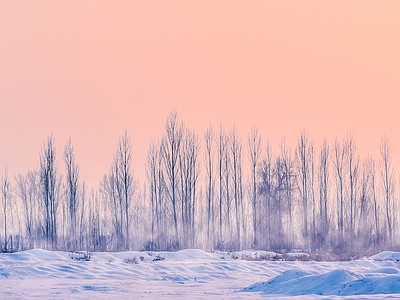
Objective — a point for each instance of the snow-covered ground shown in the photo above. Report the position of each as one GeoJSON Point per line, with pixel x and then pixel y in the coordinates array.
{"type": "Point", "coordinates": [194, 274]}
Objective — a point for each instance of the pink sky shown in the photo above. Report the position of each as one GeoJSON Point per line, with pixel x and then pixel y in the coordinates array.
{"type": "Point", "coordinates": [91, 69]}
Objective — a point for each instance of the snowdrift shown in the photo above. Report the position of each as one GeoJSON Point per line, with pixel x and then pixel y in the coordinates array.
{"type": "Point", "coordinates": [386, 255]}
{"type": "Point", "coordinates": [369, 280]}
{"type": "Point", "coordinates": [337, 282]}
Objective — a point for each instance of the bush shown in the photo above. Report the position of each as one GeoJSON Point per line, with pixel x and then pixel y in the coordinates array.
{"type": "Point", "coordinates": [132, 260]}
{"type": "Point", "coordinates": [158, 258]}
{"type": "Point", "coordinates": [81, 255]}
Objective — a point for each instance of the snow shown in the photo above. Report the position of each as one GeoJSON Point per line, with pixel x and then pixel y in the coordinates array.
{"type": "Point", "coordinates": [194, 274]}
{"type": "Point", "coordinates": [386, 255]}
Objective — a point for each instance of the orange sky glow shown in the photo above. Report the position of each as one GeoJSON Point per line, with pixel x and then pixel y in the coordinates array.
{"type": "Point", "coordinates": [91, 69]}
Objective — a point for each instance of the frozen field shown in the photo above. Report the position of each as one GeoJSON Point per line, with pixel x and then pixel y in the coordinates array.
{"type": "Point", "coordinates": [193, 274]}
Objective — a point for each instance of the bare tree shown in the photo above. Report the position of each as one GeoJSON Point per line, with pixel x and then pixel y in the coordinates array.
{"type": "Point", "coordinates": [6, 202]}
{"type": "Point", "coordinates": [153, 181]}
{"type": "Point", "coordinates": [160, 202]}
{"type": "Point", "coordinates": [27, 190]}
{"type": "Point", "coordinates": [170, 149]}
{"type": "Point", "coordinates": [266, 189]}
{"type": "Point", "coordinates": [83, 211]}
{"type": "Point", "coordinates": [119, 188]}
{"type": "Point", "coordinates": [125, 182]}
{"type": "Point", "coordinates": [226, 163]}
{"type": "Point", "coordinates": [287, 166]}
{"type": "Point", "coordinates": [210, 184]}
{"type": "Point", "coordinates": [388, 183]}
{"type": "Point", "coordinates": [222, 156]}
{"type": "Point", "coordinates": [255, 146]}
{"type": "Point", "coordinates": [365, 227]}
{"type": "Point", "coordinates": [339, 161]}
{"type": "Point", "coordinates": [50, 185]}
{"type": "Point", "coordinates": [278, 204]}
{"type": "Point", "coordinates": [276, 177]}
{"type": "Point", "coordinates": [323, 193]}
{"type": "Point", "coordinates": [188, 171]}
{"type": "Point", "coordinates": [375, 202]}
{"type": "Point", "coordinates": [72, 183]}
{"type": "Point", "coordinates": [236, 153]}
{"type": "Point", "coordinates": [95, 232]}
{"type": "Point", "coordinates": [304, 157]}
{"type": "Point", "coordinates": [109, 189]}
{"type": "Point", "coordinates": [353, 165]}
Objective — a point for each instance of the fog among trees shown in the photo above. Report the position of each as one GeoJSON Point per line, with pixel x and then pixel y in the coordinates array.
{"type": "Point", "coordinates": [214, 190]}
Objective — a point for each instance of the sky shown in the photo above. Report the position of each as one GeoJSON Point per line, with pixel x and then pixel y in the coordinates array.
{"type": "Point", "coordinates": [89, 70]}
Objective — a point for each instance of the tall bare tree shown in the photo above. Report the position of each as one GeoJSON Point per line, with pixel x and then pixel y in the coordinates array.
{"type": "Point", "coordinates": [94, 230]}
{"type": "Point", "coordinates": [237, 170]}
{"type": "Point", "coordinates": [226, 163]}
{"type": "Point", "coordinates": [255, 147]}
{"type": "Point", "coordinates": [375, 202]}
{"type": "Point", "coordinates": [210, 184]}
{"type": "Point", "coordinates": [50, 188]}
{"type": "Point", "coordinates": [188, 171]}
{"type": "Point", "coordinates": [27, 190]}
{"type": "Point", "coordinates": [364, 225]}
{"type": "Point", "coordinates": [222, 156]}
{"type": "Point", "coordinates": [287, 179]}
{"type": "Point", "coordinates": [339, 161]}
{"type": "Point", "coordinates": [353, 166]}
{"type": "Point", "coordinates": [323, 193]}
{"type": "Point", "coordinates": [125, 181]}
{"type": "Point", "coordinates": [6, 202]}
{"type": "Point", "coordinates": [171, 145]}
{"type": "Point", "coordinates": [154, 182]}
{"type": "Point", "coordinates": [266, 189]}
{"type": "Point", "coordinates": [83, 211]}
{"type": "Point", "coordinates": [304, 157]}
{"type": "Point", "coordinates": [119, 188]}
{"type": "Point", "coordinates": [388, 183]}
{"type": "Point", "coordinates": [72, 183]}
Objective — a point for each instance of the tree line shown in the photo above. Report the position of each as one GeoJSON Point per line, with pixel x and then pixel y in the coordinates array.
{"type": "Point", "coordinates": [214, 191]}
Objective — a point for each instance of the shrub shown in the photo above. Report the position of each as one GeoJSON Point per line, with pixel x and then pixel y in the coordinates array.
{"type": "Point", "coordinates": [158, 258]}
{"type": "Point", "coordinates": [81, 255]}
{"type": "Point", "coordinates": [131, 260]}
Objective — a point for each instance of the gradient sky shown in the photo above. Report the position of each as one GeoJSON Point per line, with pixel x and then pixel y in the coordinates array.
{"type": "Point", "coordinates": [91, 69]}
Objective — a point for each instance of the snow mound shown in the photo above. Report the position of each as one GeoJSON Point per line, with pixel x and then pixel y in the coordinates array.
{"type": "Point", "coordinates": [338, 282]}
{"type": "Point", "coordinates": [371, 286]}
{"type": "Point", "coordinates": [288, 275]}
{"type": "Point", "coordinates": [34, 255]}
{"type": "Point", "coordinates": [386, 255]}
{"type": "Point", "coordinates": [298, 282]}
